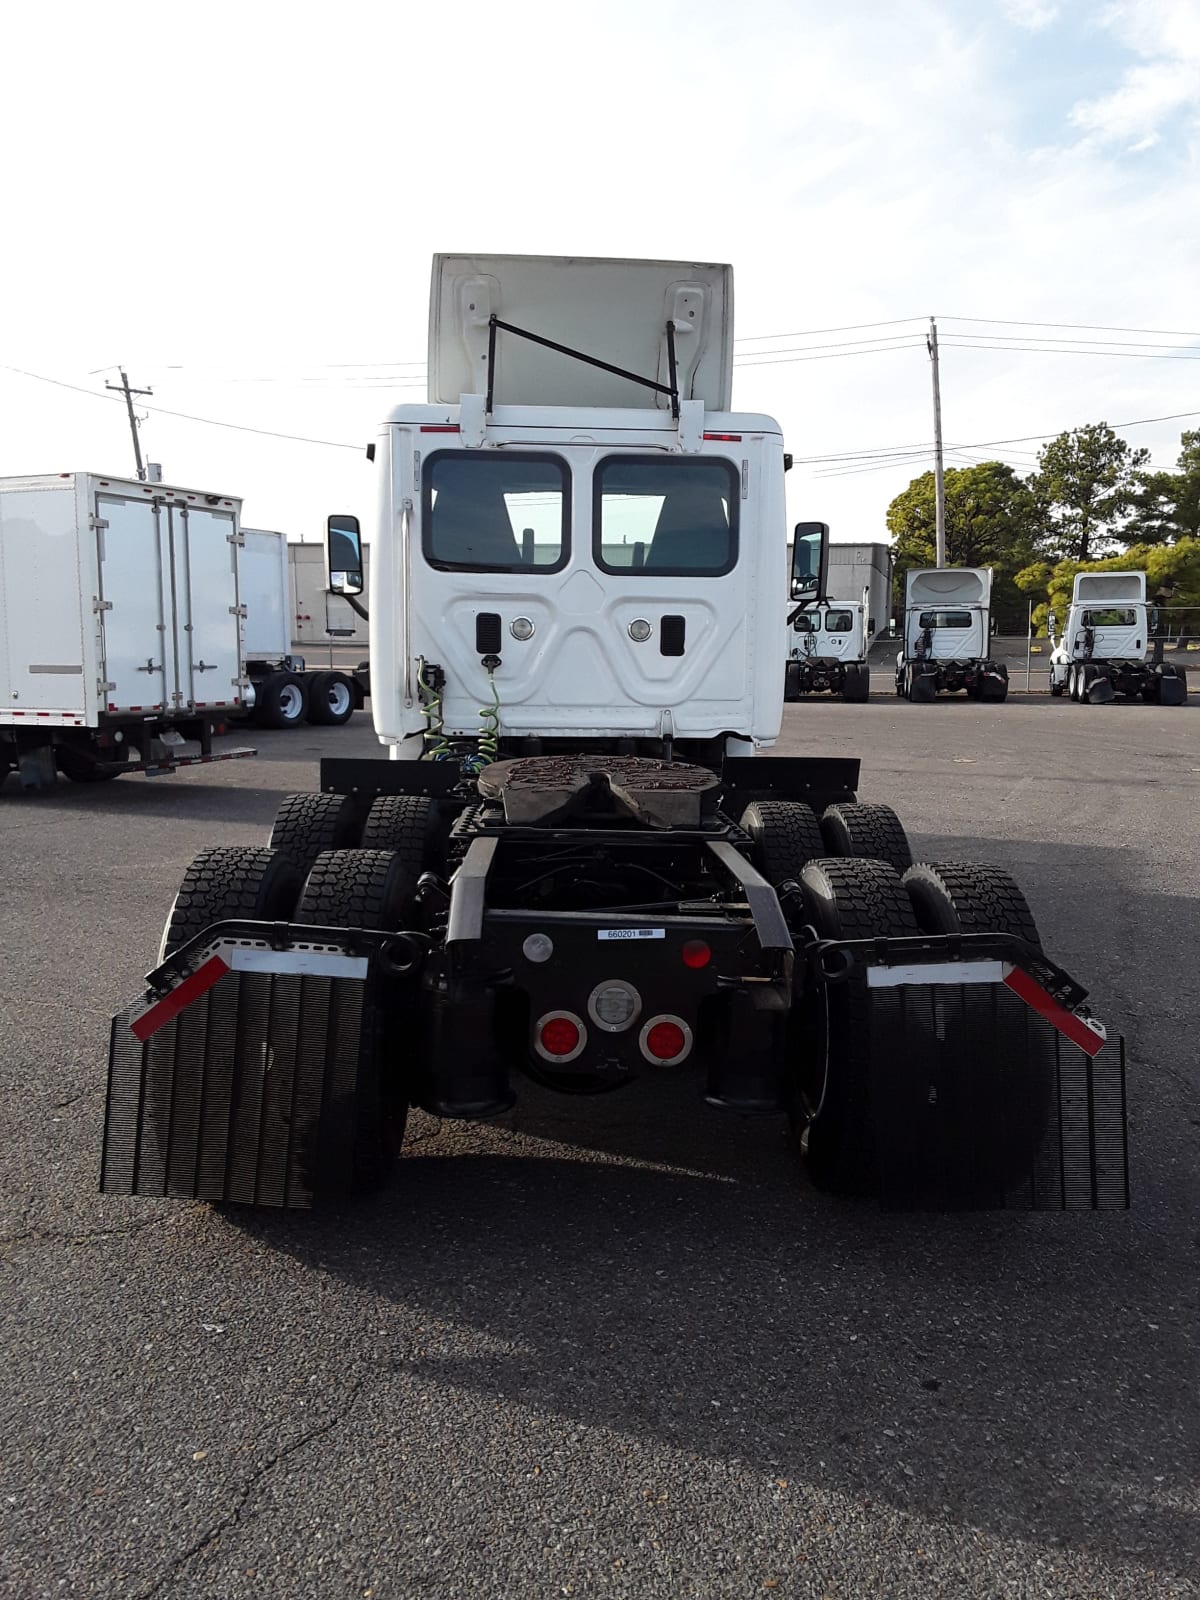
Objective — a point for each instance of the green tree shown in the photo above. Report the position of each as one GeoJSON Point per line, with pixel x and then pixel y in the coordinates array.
{"type": "Point", "coordinates": [991, 521]}
{"type": "Point", "coordinates": [1168, 503]}
{"type": "Point", "coordinates": [1089, 481]}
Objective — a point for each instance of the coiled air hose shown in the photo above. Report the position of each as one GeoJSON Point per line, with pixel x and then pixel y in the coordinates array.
{"type": "Point", "coordinates": [488, 747]}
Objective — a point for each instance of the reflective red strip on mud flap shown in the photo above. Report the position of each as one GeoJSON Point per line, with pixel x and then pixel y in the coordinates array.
{"type": "Point", "coordinates": [161, 1012]}
{"type": "Point", "coordinates": [1074, 1028]}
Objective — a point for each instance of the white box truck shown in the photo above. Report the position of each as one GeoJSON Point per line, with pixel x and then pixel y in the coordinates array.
{"type": "Point", "coordinates": [120, 626]}
{"type": "Point", "coordinates": [285, 691]}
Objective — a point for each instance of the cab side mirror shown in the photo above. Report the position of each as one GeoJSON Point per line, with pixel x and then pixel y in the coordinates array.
{"type": "Point", "coordinates": [343, 555]}
{"type": "Point", "coordinates": [810, 560]}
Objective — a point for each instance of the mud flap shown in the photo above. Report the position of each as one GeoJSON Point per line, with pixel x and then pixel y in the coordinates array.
{"type": "Point", "coordinates": [240, 1084]}
{"type": "Point", "coordinates": [981, 1103]}
{"type": "Point", "coordinates": [1100, 692]}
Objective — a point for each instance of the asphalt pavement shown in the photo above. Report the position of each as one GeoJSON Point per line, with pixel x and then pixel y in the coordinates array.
{"type": "Point", "coordinates": [612, 1347]}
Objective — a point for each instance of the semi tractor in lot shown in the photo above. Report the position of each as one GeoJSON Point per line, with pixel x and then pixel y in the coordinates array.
{"type": "Point", "coordinates": [947, 634]}
{"type": "Point", "coordinates": [1106, 648]}
{"type": "Point", "coordinates": [580, 861]}
{"type": "Point", "coordinates": [827, 643]}
{"type": "Point", "coordinates": [138, 621]}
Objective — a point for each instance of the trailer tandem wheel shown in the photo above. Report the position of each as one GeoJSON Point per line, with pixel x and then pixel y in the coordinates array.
{"type": "Point", "coordinates": [281, 700]}
{"type": "Point", "coordinates": [227, 882]}
{"type": "Point", "coordinates": [307, 824]}
{"type": "Point", "coordinates": [330, 699]}
{"type": "Point", "coordinates": [831, 1102]}
{"type": "Point", "coordinates": [366, 889]}
{"type": "Point", "coordinates": [869, 832]}
{"type": "Point", "coordinates": [786, 836]}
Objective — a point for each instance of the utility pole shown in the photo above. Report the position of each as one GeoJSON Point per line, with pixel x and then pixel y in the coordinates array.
{"type": "Point", "coordinates": [939, 479]}
{"type": "Point", "coordinates": [123, 388]}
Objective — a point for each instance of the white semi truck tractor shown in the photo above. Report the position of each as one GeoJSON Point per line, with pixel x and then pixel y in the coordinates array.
{"type": "Point", "coordinates": [947, 635]}
{"type": "Point", "coordinates": [1106, 645]}
{"type": "Point", "coordinates": [826, 641]}
{"type": "Point", "coordinates": [583, 860]}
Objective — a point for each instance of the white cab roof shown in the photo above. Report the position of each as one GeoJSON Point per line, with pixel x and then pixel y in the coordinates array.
{"type": "Point", "coordinates": [616, 310]}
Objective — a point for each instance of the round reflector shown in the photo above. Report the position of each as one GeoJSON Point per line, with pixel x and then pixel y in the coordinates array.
{"type": "Point", "coordinates": [696, 953]}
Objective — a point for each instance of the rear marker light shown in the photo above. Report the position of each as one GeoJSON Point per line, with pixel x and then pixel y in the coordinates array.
{"type": "Point", "coordinates": [640, 630]}
{"type": "Point", "coordinates": [665, 1040]}
{"type": "Point", "coordinates": [696, 954]}
{"type": "Point", "coordinates": [559, 1036]}
{"type": "Point", "coordinates": [725, 438]}
{"type": "Point", "coordinates": [440, 427]}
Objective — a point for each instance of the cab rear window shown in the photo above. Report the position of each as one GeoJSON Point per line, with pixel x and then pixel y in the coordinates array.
{"type": "Point", "coordinates": [486, 511]}
{"type": "Point", "coordinates": [676, 516]}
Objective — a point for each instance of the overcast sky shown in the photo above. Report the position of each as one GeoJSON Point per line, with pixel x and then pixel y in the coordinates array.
{"type": "Point", "coordinates": [240, 203]}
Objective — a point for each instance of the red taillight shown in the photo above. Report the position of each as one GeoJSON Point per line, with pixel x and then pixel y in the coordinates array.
{"type": "Point", "coordinates": [439, 427]}
{"type": "Point", "coordinates": [559, 1036]}
{"type": "Point", "coordinates": [696, 953]}
{"type": "Point", "coordinates": [665, 1041]}
{"type": "Point", "coordinates": [725, 438]}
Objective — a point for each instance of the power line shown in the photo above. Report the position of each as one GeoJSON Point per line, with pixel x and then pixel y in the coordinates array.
{"type": "Point", "coordinates": [913, 344]}
{"type": "Point", "coordinates": [846, 327]}
{"type": "Point", "coordinates": [840, 344]}
{"type": "Point", "coordinates": [1087, 327]}
{"type": "Point", "coordinates": [187, 416]}
{"type": "Point", "coordinates": [1035, 350]}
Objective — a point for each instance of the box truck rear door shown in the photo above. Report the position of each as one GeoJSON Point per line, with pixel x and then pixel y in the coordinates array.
{"type": "Point", "coordinates": [210, 628]}
{"type": "Point", "coordinates": [135, 585]}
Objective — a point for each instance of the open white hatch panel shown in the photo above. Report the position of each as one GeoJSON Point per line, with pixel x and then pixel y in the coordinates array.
{"type": "Point", "coordinates": [950, 586]}
{"type": "Point", "coordinates": [615, 310]}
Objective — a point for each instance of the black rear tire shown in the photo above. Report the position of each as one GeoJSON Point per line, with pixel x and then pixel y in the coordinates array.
{"type": "Point", "coordinates": [856, 683]}
{"type": "Point", "coordinates": [406, 824]}
{"type": "Point", "coordinates": [786, 836]}
{"type": "Point", "coordinates": [868, 832]}
{"type": "Point", "coordinates": [307, 824]}
{"type": "Point", "coordinates": [330, 699]}
{"type": "Point", "coordinates": [82, 768]}
{"type": "Point", "coordinates": [281, 701]}
{"type": "Point", "coordinates": [831, 1104]}
{"type": "Point", "coordinates": [231, 881]}
{"type": "Point", "coordinates": [964, 897]}
{"type": "Point", "coordinates": [367, 889]}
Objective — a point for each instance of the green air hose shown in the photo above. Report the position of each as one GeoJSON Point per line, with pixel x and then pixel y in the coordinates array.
{"type": "Point", "coordinates": [438, 749]}
{"type": "Point", "coordinates": [488, 747]}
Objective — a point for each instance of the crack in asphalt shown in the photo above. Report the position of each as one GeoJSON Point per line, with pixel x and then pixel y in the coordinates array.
{"type": "Point", "coordinates": [90, 1235]}
{"type": "Point", "coordinates": [245, 1490]}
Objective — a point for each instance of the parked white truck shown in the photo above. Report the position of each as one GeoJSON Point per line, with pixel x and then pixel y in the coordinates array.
{"type": "Point", "coordinates": [1105, 647]}
{"type": "Point", "coordinates": [580, 863]}
{"type": "Point", "coordinates": [947, 634]}
{"type": "Point", "coordinates": [286, 691]}
{"type": "Point", "coordinates": [120, 626]}
{"type": "Point", "coordinates": [827, 640]}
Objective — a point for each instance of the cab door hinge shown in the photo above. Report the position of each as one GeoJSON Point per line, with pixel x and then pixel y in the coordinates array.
{"type": "Point", "coordinates": [101, 605]}
{"type": "Point", "coordinates": [237, 611]}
